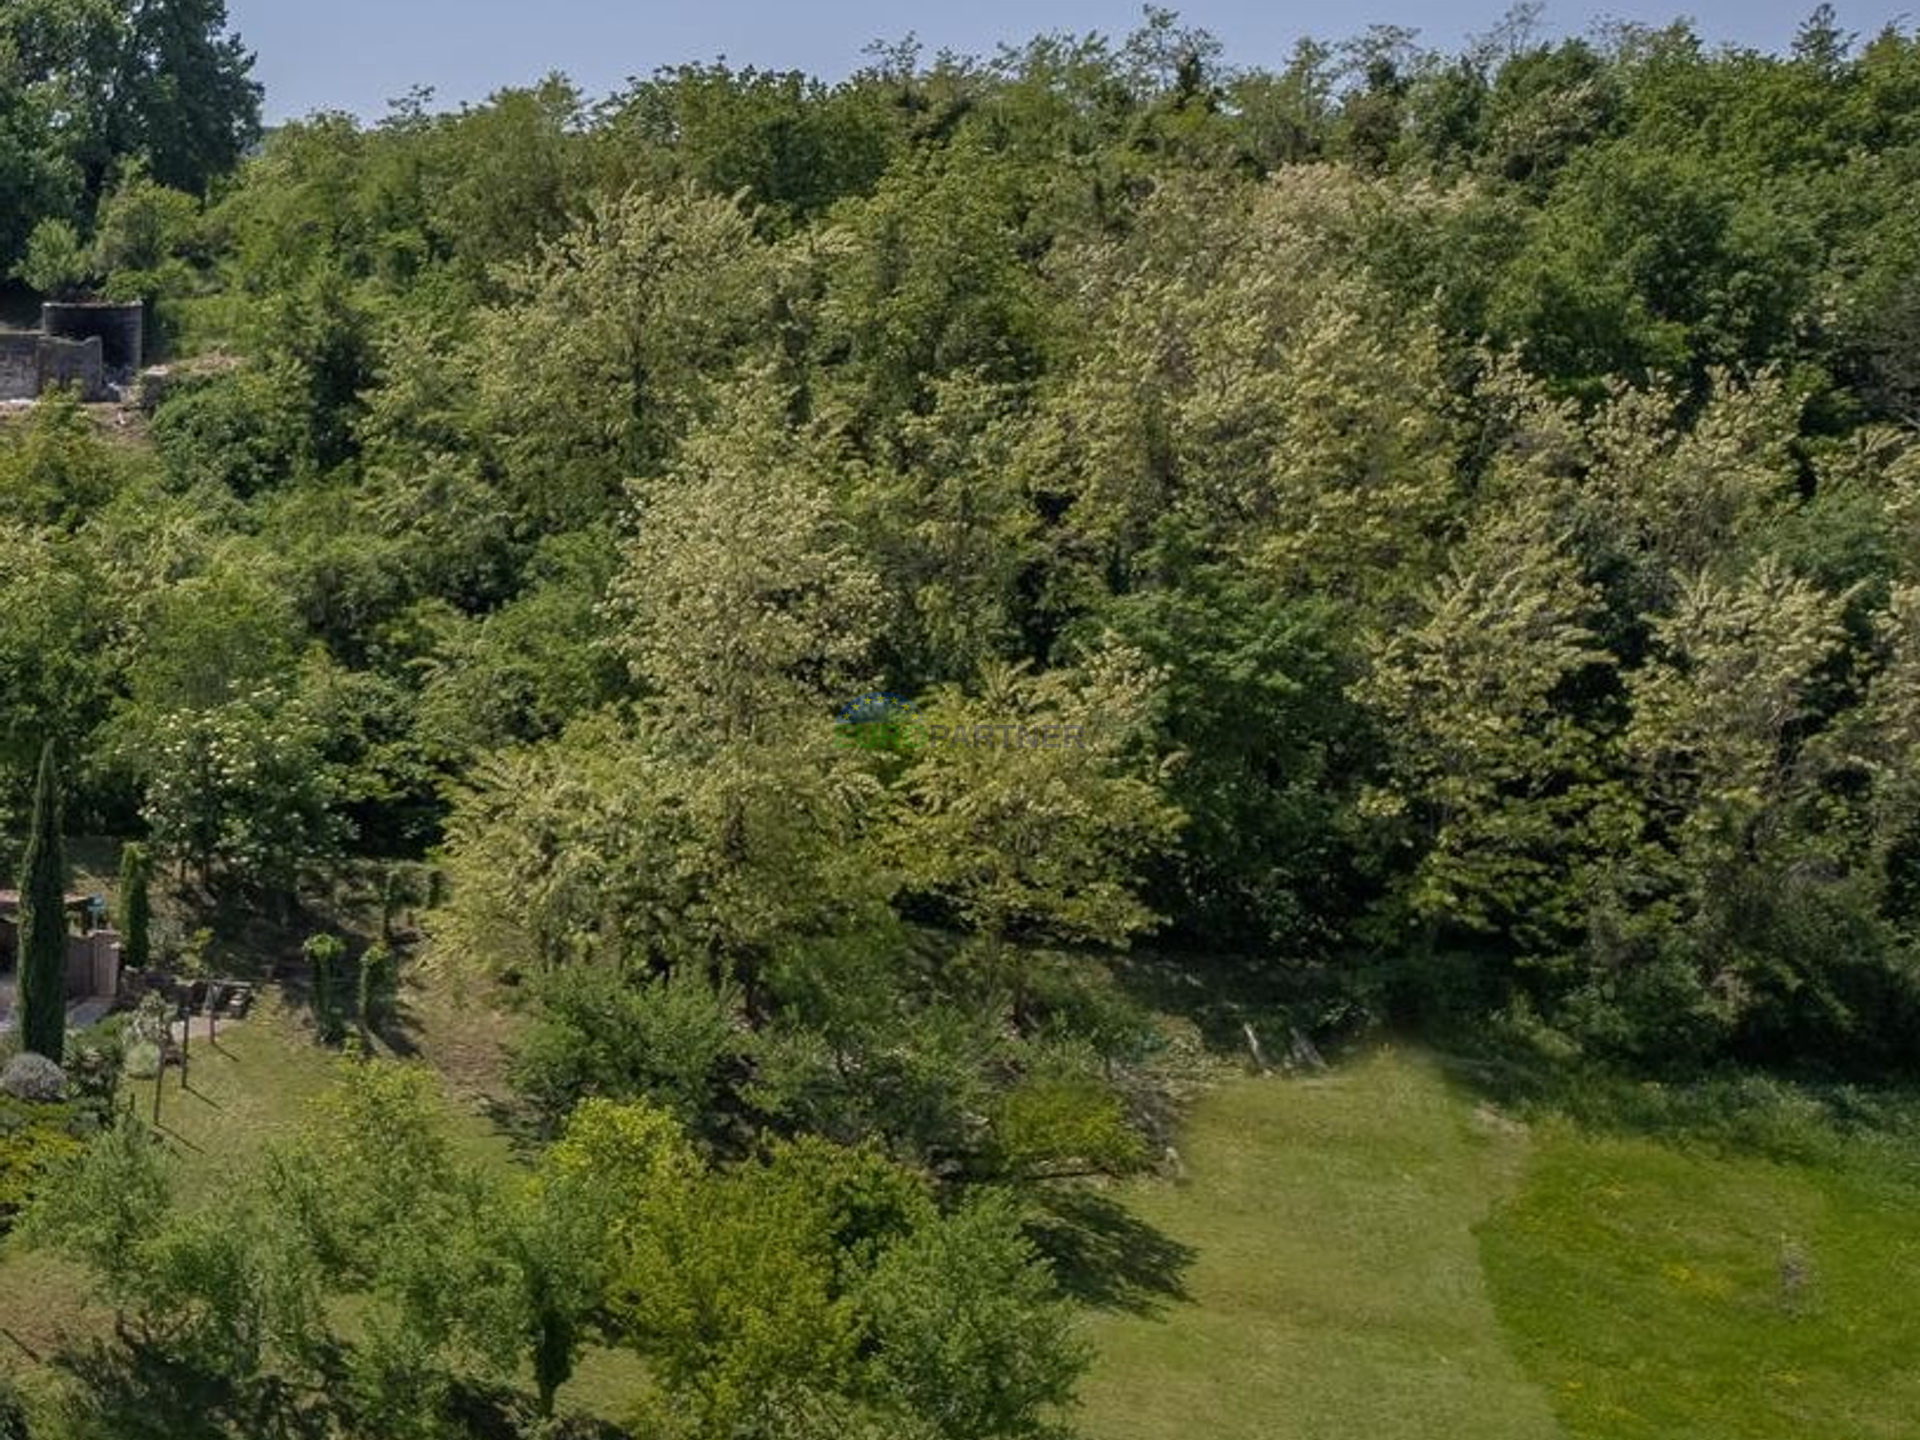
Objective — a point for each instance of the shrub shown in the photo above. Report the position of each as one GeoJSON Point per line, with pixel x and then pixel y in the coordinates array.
{"type": "Point", "coordinates": [56, 265]}
{"type": "Point", "coordinates": [95, 1072]}
{"type": "Point", "coordinates": [136, 908]}
{"type": "Point", "coordinates": [34, 1078]}
{"type": "Point", "coordinates": [963, 1325]}
{"type": "Point", "coordinates": [378, 982]}
{"type": "Point", "coordinates": [34, 1140]}
{"type": "Point", "coordinates": [243, 430]}
{"type": "Point", "coordinates": [324, 954]}
{"type": "Point", "coordinates": [1051, 1125]}
{"type": "Point", "coordinates": [599, 1033]}
{"type": "Point", "coordinates": [13, 1413]}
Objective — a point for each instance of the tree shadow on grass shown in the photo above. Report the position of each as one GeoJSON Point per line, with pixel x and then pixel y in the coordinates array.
{"type": "Point", "coordinates": [189, 1088]}
{"type": "Point", "coordinates": [19, 1344]}
{"type": "Point", "coordinates": [1106, 1257]}
{"type": "Point", "coordinates": [135, 1391]}
{"type": "Point", "coordinates": [177, 1138]}
{"type": "Point", "coordinates": [1224, 997]}
{"type": "Point", "coordinates": [522, 1130]}
{"type": "Point", "coordinates": [398, 1028]}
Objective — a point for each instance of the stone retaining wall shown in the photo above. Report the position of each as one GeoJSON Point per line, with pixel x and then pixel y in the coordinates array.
{"type": "Point", "coordinates": [31, 364]}
{"type": "Point", "coordinates": [120, 329]}
{"type": "Point", "coordinates": [74, 362]}
{"type": "Point", "coordinates": [19, 365]}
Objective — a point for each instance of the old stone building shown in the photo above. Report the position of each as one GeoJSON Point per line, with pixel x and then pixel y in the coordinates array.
{"type": "Point", "coordinates": [90, 345]}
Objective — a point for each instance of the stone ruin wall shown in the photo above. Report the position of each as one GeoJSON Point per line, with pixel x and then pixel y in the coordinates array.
{"type": "Point", "coordinates": [73, 363]}
{"type": "Point", "coordinates": [120, 329]}
{"type": "Point", "coordinates": [19, 365]}
{"type": "Point", "coordinates": [77, 345]}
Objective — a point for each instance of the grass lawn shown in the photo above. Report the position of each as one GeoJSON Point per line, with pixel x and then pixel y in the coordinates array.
{"type": "Point", "coordinates": [1658, 1292]}
{"type": "Point", "coordinates": [1373, 1254]}
{"type": "Point", "coordinates": [256, 1083]}
{"type": "Point", "coordinates": [1336, 1289]}
{"type": "Point", "coordinates": [1379, 1255]}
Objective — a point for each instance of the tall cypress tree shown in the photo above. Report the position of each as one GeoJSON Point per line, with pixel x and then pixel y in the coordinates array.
{"type": "Point", "coordinates": [136, 907]}
{"type": "Point", "coordinates": [43, 922]}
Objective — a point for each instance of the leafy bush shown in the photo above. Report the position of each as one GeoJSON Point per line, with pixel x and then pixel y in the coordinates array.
{"type": "Point", "coordinates": [56, 263]}
{"type": "Point", "coordinates": [965, 1330]}
{"type": "Point", "coordinates": [142, 1060]}
{"type": "Point", "coordinates": [820, 1280]}
{"type": "Point", "coordinates": [94, 1067]}
{"type": "Point", "coordinates": [34, 1078]}
{"type": "Point", "coordinates": [13, 1412]}
{"type": "Point", "coordinates": [669, 1040]}
{"type": "Point", "coordinates": [244, 430]}
{"type": "Point", "coordinates": [326, 956]}
{"type": "Point", "coordinates": [35, 1140]}
{"type": "Point", "coordinates": [1053, 1125]}
{"type": "Point", "coordinates": [377, 988]}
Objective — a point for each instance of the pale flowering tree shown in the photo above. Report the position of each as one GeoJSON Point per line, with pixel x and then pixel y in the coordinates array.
{"type": "Point", "coordinates": [610, 341]}
{"type": "Point", "coordinates": [719, 819]}
{"type": "Point", "coordinates": [1034, 803]}
{"type": "Point", "coordinates": [1486, 771]}
{"type": "Point", "coordinates": [1243, 384]}
{"type": "Point", "coordinates": [240, 792]}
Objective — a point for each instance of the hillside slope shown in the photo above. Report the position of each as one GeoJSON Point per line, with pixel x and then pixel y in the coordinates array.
{"type": "Point", "coordinates": [1378, 1254]}
{"type": "Point", "coordinates": [1336, 1288]}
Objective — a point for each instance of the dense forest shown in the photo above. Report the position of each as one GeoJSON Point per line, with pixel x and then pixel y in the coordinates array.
{"type": "Point", "coordinates": [804, 576]}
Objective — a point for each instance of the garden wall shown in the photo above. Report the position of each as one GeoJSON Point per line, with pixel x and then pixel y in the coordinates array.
{"type": "Point", "coordinates": [19, 365]}
{"type": "Point", "coordinates": [120, 329]}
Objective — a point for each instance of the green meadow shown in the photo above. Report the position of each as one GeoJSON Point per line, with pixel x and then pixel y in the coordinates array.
{"type": "Point", "coordinates": [1382, 1253]}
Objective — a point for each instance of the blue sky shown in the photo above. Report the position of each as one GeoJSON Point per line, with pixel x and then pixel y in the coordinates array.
{"type": "Point", "coordinates": [358, 54]}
